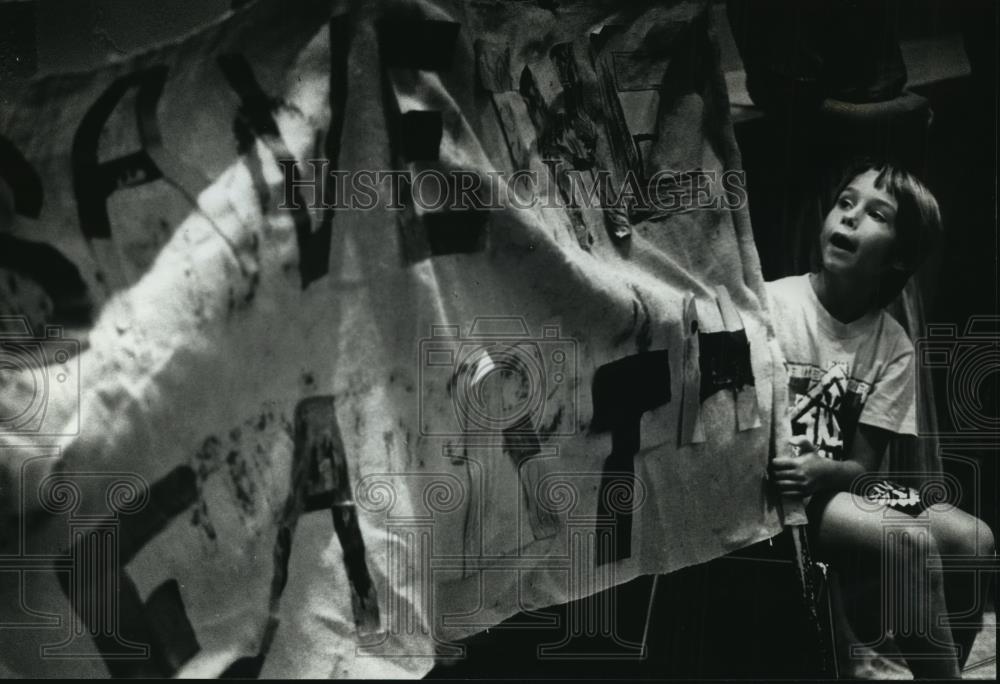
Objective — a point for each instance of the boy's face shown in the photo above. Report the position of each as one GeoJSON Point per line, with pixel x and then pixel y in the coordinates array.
{"type": "Point", "coordinates": [859, 231]}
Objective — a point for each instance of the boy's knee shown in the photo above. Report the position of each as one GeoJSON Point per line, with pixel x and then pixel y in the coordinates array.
{"type": "Point", "coordinates": [913, 547]}
{"type": "Point", "coordinates": [974, 540]}
{"type": "Point", "coordinates": [985, 541]}
{"type": "Point", "coordinates": [965, 535]}
{"type": "Point", "coordinates": [915, 539]}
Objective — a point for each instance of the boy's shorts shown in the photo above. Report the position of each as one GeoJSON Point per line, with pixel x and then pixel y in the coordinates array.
{"type": "Point", "coordinates": [898, 497]}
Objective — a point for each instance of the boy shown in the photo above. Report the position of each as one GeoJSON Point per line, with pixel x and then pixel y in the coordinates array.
{"type": "Point", "coordinates": [852, 388]}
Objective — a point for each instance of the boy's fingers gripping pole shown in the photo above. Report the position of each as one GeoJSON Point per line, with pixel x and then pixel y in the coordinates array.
{"type": "Point", "coordinates": [801, 444]}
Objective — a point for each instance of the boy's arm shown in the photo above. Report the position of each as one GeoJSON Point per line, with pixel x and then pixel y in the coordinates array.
{"type": "Point", "coordinates": [865, 457]}
{"type": "Point", "coordinates": [809, 472]}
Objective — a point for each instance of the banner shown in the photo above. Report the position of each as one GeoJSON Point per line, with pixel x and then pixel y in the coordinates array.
{"type": "Point", "coordinates": [340, 331]}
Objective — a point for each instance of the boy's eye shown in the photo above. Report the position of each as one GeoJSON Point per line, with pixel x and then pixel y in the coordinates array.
{"type": "Point", "coordinates": [845, 203]}
{"type": "Point", "coordinates": [877, 215]}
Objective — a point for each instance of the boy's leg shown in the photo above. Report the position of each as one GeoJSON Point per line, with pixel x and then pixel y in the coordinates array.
{"type": "Point", "coordinates": [856, 535]}
{"type": "Point", "coordinates": [959, 534]}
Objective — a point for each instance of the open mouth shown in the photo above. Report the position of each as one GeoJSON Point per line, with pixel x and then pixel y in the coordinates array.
{"type": "Point", "coordinates": [843, 242]}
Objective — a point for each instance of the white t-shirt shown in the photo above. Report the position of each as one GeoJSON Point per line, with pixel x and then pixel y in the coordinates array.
{"type": "Point", "coordinates": [840, 374]}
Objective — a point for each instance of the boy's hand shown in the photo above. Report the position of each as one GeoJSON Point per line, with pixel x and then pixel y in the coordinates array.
{"type": "Point", "coordinates": [801, 445]}
{"type": "Point", "coordinates": [799, 475]}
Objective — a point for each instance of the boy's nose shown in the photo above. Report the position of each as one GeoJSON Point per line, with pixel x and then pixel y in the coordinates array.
{"type": "Point", "coordinates": [849, 218]}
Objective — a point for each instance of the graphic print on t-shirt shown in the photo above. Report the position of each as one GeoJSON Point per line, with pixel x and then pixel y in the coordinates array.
{"type": "Point", "coordinates": [825, 405]}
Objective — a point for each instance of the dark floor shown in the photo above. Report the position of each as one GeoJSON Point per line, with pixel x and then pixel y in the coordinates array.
{"type": "Point", "coordinates": [730, 618]}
